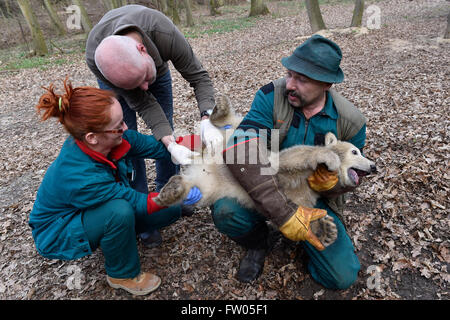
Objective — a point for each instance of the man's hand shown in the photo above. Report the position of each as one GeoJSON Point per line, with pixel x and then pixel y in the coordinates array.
{"type": "Point", "coordinates": [322, 179]}
{"type": "Point", "coordinates": [326, 183]}
{"type": "Point", "coordinates": [211, 136]}
{"type": "Point", "coordinates": [166, 140]}
{"type": "Point", "coordinates": [180, 154]}
{"type": "Point", "coordinates": [297, 228]}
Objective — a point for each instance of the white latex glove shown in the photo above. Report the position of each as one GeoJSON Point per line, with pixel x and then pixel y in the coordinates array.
{"type": "Point", "coordinates": [211, 136]}
{"type": "Point", "coordinates": [181, 154]}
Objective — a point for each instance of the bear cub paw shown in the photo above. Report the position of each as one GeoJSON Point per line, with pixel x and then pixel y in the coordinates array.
{"type": "Point", "coordinates": [221, 110]}
{"type": "Point", "coordinates": [172, 192]}
{"type": "Point", "coordinates": [325, 229]}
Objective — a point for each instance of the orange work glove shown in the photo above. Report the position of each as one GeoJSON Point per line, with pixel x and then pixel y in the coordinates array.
{"type": "Point", "coordinates": [297, 227]}
{"type": "Point", "coordinates": [322, 179]}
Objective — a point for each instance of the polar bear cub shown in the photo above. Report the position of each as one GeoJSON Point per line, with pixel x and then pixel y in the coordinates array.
{"type": "Point", "coordinates": [295, 165]}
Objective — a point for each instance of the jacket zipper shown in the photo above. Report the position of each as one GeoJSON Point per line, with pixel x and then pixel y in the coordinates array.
{"type": "Point", "coordinates": [116, 171]}
{"type": "Point", "coordinates": [306, 129]}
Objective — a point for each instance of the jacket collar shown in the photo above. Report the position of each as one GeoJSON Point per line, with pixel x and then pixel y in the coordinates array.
{"type": "Point", "coordinates": [115, 154]}
{"type": "Point", "coordinates": [329, 108]}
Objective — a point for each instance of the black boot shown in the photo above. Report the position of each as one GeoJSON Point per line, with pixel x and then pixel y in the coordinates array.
{"type": "Point", "coordinates": [257, 244]}
{"type": "Point", "coordinates": [151, 239]}
{"type": "Point", "coordinates": [187, 211]}
{"type": "Point", "coordinates": [251, 265]}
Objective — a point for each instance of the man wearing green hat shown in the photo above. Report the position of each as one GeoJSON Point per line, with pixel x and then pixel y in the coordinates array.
{"type": "Point", "coordinates": [304, 108]}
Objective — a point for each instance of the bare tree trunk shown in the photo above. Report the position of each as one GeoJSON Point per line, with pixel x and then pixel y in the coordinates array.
{"type": "Point", "coordinates": [114, 4]}
{"type": "Point", "coordinates": [174, 12]}
{"type": "Point", "coordinates": [55, 19]}
{"type": "Point", "coordinates": [358, 13]}
{"type": "Point", "coordinates": [39, 45]}
{"type": "Point", "coordinates": [11, 7]}
{"type": "Point", "coordinates": [107, 4]}
{"type": "Point", "coordinates": [163, 7]}
{"type": "Point", "coordinates": [189, 18]}
{"type": "Point", "coordinates": [314, 15]}
{"type": "Point", "coordinates": [214, 7]}
{"type": "Point", "coordinates": [258, 8]}
{"type": "Point", "coordinates": [23, 34]}
{"type": "Point", "coordinates": [447, 32]}
{"type": "Point", "coordinates": [85, 21]}
{"type": "Point", "coordinates": [8, 10]}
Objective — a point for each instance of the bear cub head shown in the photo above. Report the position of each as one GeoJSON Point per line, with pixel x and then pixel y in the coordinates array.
{"type": "Point", "coordinates": [354, 165]}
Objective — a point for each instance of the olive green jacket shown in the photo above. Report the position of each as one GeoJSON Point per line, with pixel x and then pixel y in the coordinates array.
{"type": "Point", "coordinates": [164, 42]}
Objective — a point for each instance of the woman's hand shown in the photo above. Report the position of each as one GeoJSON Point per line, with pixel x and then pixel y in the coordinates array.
{"type": "Point", "coordinates": [193, 196]}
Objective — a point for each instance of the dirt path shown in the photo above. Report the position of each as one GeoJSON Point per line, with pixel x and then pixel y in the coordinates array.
{"type": "Point", "coordinates": [398, 220]}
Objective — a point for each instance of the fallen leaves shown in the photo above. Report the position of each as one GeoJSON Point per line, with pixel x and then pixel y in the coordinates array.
{"type": "Point", "coordinates": [398, 219]}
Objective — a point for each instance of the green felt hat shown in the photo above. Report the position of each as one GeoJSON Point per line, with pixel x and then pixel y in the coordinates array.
{"type": "Point", "coordinates": [317, 58]}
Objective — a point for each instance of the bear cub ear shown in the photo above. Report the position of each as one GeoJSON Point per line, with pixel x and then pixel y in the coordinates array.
{"type": "Point", "coordinates": [330, 139]}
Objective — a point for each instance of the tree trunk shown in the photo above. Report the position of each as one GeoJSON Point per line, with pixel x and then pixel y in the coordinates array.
{"type": "Point", "coordinates": [55, 19]}
{"type": "Point", "coordinates": [39, 45]}
{"type": "Point", "coordinates": [258, 8]}
{"type": "Point", "coordinates": [107, 4]}
{"type": "Point", "coordinates": [447, 32]}
{"type": "Point", "coordinates": [174, 12]}
{"type": "Point", "coordinates": [8, 10]}
{"type": "Point", "coordinates": [114, 4]}
{"type": "Point", "coordinates": [189, 18]}
{"type": "Point", "coordinates": [314, 15]}
{"type": "Point", "coordinates": [163, 7]}
{"type": "Point", "coordinates": [85, 21]}
{"type": "Point", "coordinates": [23, 34]}
{"type": "Point", "coordinates": [358, 13]}
{"type": "Point", "coordinates": [214, 7]}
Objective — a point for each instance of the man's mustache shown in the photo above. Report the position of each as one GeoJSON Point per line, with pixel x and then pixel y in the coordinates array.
{"type": "Point", "coordinates": [291, 93]}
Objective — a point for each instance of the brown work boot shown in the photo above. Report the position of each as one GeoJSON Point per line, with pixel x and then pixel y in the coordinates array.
{"type": "Point", "coordinates": [144, 283]}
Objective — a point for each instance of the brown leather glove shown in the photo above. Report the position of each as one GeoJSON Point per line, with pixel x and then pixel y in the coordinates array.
{"type": "Point", "coordinates": [270, 200]}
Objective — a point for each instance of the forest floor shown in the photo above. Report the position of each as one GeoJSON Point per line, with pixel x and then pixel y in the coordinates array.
{"type": "Point", "coordinates": [397, 75]}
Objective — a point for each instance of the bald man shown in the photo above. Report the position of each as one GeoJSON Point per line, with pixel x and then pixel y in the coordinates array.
{"type": "Point", "coordinates": [128, 51]}
{"type": "Point", "coordinates": [117, 53]}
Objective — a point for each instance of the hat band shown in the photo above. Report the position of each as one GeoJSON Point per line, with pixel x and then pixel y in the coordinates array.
{"type": "Point", "coordinates": [312, 70]}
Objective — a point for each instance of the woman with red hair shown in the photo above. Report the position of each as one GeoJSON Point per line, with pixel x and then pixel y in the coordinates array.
{"type": "Point", "coordinates": [85, 200]}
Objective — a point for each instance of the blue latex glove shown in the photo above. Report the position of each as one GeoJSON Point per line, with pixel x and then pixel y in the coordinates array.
{"type": "Point", "coordinates": [225, 127]}
{"type": "Point", "coordinates": [193, 196]}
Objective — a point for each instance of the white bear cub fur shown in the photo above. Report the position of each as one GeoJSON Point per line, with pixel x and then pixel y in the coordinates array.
{"type": "Point", "coordinates": [295, 165]}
